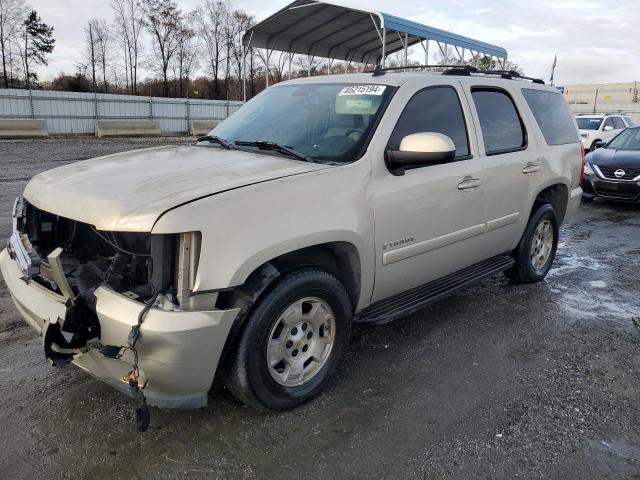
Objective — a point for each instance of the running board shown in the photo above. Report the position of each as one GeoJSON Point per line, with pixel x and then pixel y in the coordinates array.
{"type": "Point", "coordinates": [408, 302]}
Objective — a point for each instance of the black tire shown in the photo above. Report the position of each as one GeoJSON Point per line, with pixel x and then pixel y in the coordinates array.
{"type": "Point", "coordinates": [248, 376]}
{"type": "Point", "coordinates": [523, 270]}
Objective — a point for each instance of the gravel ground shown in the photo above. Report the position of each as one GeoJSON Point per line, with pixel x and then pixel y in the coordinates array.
{"type": "Point", "coordinates": [499, 381]}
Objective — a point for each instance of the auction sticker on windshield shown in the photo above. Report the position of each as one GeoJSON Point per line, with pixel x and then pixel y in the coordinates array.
{"type": "Point", "coordinates": [363, 90]}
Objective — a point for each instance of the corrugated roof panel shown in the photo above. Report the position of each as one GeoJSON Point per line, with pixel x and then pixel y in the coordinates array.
{"type": "Point", "coordinates": [335, 31]}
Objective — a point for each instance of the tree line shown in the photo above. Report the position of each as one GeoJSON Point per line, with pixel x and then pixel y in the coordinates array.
{"type": "Point", "coordinates": [196, 53]}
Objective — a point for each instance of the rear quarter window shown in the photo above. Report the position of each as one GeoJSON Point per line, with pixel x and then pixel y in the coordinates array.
{"type": "Point", "coordinates": [552, 115]}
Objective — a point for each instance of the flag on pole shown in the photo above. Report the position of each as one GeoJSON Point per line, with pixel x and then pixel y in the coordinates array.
{"type": "Point", "coordinates": [553, 68]}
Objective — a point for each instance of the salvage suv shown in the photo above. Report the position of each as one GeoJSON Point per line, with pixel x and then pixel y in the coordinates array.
{"type": "Point", "coordinates": [321, 202]}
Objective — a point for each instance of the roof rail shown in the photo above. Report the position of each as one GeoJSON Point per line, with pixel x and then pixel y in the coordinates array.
{"type": "Point", "coordinates": [378, 70]}
{"type": "Point", "coordinates": [507, 74]}
{"type": "Point", "coordinates": [466, 70]}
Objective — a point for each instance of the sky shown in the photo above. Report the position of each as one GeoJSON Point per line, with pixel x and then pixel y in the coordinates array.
{"type": "Point", "coordinates": [594, 43]}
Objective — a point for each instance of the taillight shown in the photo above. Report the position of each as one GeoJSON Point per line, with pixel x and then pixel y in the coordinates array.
{"type": "Point", "coordinates": [582, 165]}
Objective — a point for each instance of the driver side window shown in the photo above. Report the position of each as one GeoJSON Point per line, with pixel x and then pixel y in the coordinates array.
{"type": "Point", "coordinates": [434, 109]}
{"type": "Point", "coordinates": [608, 123]}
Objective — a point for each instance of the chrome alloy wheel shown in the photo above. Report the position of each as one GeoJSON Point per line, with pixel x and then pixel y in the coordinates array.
{"type": "Point", "coordinates": [541, 245]}
{"type": "Point", "coordinates": [300, 342]}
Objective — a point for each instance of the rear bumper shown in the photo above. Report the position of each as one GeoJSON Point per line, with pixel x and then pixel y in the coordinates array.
{"type": "Point", "coordinates": [574, 203]}
{"type": "Point", "coordinates": [623, 191]}
{"type": "Point", "coordinates": [178, 351]}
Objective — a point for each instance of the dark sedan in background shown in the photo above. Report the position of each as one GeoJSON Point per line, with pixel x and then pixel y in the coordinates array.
{"type": "Point", "coordinates": [613, 170]}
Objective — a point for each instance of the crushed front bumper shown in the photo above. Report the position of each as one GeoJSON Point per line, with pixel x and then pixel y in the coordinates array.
{"type": "Point", "coordinates": [178, 350]}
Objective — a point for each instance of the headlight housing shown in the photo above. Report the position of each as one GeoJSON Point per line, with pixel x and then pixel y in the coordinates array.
{"type": "Point", "coordinates": [587, 169]}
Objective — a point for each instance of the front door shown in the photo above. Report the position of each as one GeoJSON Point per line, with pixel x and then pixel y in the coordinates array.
{"type": "Point", "coordinates": [429, 221]}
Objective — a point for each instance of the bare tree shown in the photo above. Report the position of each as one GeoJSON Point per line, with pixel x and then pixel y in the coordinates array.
{"type": "Point", "coordinates": [90, 50]}
{"type": "Point", "coordinates": [186, 57]}
{"type": "Point", "coordinates": [240, 22]}
{"type": "Point", "coordinates": [264, 54]}
{"type": "Point", "coordinates": [12, 13]}
{"type": "Point", "coordinates": [308, 63]}
{"type": "Point", "coordinates": [129, 20]}
{"type": "Point", "coordinates": [279, 66]}
{"type": "Point", "coordinates": [162, 19]}
{"type": "Point", "coordinates": [210, 23]}
{"type": "Point", "coordinates": [103, 38]}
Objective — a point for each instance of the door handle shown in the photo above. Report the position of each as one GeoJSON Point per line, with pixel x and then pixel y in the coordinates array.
{"type": "Point", "coordinates": [469, 182]}
{"type": "Point", "coordinates": [531, 168]}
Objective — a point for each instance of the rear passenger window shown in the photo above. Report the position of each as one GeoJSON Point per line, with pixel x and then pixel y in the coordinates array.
{"type": "Point", "coordinates": [502, 129]}
{"type": "Point", "coordinates": [552, 115]}
{"type": "Point", "coordinates": [618, 124]}
{"type": "Point", "coordinates": [434, 109]}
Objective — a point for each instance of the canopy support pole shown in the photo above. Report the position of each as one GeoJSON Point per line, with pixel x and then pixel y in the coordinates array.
{"type": "Point", "coordinates": [425, 47]}
{"type": "Point", "coordinates": [406, 49]}
{"type": "Point", "coordinates": [383, 60]}
{"type": "Point", "coordinates": [244, 67]}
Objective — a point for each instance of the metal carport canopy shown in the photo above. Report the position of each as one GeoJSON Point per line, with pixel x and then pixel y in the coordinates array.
{"type": "Point", "coordinates": [331, 30]}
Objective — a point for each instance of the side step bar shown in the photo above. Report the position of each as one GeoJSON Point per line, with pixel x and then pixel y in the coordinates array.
{"type": "Point", "coordinates": [408, 302]}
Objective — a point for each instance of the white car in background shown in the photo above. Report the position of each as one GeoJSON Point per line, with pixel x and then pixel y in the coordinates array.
{"type": "Point", "coordinates": [600, 128]}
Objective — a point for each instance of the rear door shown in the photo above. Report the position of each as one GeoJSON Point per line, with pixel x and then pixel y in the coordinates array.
{"type": "Point", "coordinates": [510, 160]}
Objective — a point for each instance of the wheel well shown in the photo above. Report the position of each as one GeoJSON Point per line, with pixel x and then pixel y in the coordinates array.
{"type": "Point", "coordinates": [341, 259]}
{"type": "Point", "coordinates": [556, 195]}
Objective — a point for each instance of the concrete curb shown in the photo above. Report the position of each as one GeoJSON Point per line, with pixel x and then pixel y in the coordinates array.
{"type": "Point", "coordinates": [12, 128]}
{"type": "Point", "coordinates": [200, 128]}
{"type": "Point", "coordinates": [127, 128]}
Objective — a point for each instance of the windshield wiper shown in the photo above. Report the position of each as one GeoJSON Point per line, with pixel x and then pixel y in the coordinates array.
{"type": "Point", "coordinates": [218, 140]}
{"type": "Point", "coordinates": [262, 145]}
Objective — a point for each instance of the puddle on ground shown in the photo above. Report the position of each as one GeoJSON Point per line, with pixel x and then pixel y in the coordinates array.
{"type": "Point", "coordinates": [567, 261]}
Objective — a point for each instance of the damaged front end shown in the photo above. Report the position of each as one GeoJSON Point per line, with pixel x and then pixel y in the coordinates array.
{"type": "Point", "coordinates": [73, 259]}
{"type": "Point", "coordinates": [88, 293]}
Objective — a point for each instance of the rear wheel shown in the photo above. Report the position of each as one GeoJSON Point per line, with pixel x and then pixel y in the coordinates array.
{"type": "Point", "coordinates": [537, 248]}
{"type": "Point", "coordinates": [292, 341]}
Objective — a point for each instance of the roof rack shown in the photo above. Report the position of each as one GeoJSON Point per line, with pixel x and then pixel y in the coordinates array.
{"type": "Point", "coordinates": [465, 70]}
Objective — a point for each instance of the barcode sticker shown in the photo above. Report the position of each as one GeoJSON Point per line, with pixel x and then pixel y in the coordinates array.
{"type": "Point", "coordinates": [362, 90]}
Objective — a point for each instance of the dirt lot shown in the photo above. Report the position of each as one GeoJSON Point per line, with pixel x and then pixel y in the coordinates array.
{"type": "Point", "coordinates": [499, 381]}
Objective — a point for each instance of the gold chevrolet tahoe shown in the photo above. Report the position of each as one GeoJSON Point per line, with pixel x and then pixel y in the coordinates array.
{"type": "Point", "coordinates": [321, 202]}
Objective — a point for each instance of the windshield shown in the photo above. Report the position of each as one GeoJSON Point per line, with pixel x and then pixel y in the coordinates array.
{"type": "Point", "coordinates": [324, 122]}
{"type": "Point", "coordinates": [627, 140]}
{"type": "Point", "coordinates": [586, 123]}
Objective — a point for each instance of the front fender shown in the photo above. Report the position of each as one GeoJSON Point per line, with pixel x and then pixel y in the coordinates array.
{"type": "Point", "coordinates": [243, 229]}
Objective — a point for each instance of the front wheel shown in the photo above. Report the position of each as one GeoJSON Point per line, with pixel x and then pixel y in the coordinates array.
{"type": "Point", "coordinates": [537, 248]}
{"type": "Point", "coordinates": [292, 341]}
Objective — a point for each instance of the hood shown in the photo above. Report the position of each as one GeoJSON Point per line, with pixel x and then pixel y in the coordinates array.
{"type": "Point", "coordinates": [609, 157]}
{"type": "Point", "coordinates": [129, 191]}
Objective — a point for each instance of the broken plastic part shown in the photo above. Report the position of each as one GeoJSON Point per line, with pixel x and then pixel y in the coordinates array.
{"type": "Point", "coordinates": [111, 351]}
{"type": "Point", "coordinates": [51, 338]}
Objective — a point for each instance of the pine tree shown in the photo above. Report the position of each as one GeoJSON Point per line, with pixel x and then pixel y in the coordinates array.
{"type": "Point", "coordinates": [38, 42]}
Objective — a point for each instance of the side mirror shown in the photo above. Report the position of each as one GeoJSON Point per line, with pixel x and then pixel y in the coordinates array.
{"type": "Point", "coordinates": [608, 128]}
{"type": "Point", "coordinates": [420, 150]}
{"type": "Point", "coordinates": [599, 144]}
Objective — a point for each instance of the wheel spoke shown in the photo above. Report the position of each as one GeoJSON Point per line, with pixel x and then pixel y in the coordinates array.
{"type": "Point", "coordinates": [294, 371]}
{"type": "Point", "coordinates": [292, 315]}
{"type": "Point", "coordinates": [275, 352]}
